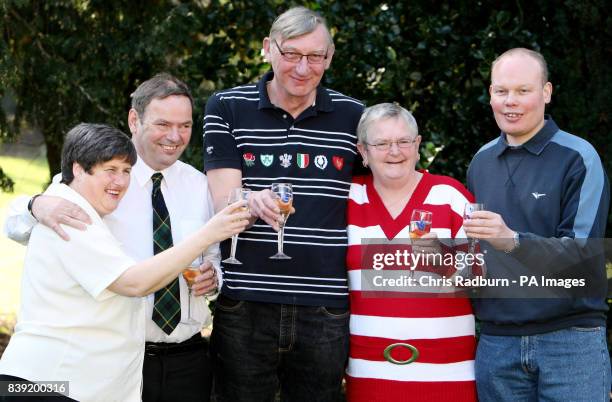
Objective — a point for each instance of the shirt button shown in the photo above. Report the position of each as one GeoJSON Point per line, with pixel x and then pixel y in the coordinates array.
{"type": "Point", "coordinates": [284, 116]}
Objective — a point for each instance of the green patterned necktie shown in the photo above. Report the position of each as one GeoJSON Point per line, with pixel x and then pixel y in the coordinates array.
{"type": "Point", "coordinates": [167, 307]}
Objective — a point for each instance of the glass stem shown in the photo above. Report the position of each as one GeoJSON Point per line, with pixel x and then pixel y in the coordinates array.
{"type": "Point", "coordinates": [472, 245]}
{"type": "Point", "coordinates": [471, 250]}
{"type": "Point", "coordinates": [234, 243]}
{"type": "Point", "coordinates": [189, 304]}
{"type": "Point", "coordinates": [281, 233]}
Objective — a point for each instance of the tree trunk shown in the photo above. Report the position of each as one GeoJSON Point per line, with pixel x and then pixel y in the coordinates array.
{"type": "Point", "coordinates": [54, 154]}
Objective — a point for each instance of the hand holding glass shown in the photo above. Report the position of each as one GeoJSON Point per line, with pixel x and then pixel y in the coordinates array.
{"type": "Point", "coordinates": [283, 195]}
{"type": "Point", "coordinates": [236, 194]}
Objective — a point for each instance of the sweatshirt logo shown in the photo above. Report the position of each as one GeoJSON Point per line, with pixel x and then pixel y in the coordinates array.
{"type": "Point", "coordinates": [285, 160]}
{"type": "Point", "coordinates": [249, 159]}
{"type": "Point", "coordinates": [303, 160]}
{"type": "Point", "coordinates": [266, 159]}
{"type": "Point", "coordinates": [537, 195]}
{"type": "Point", "coordinates": [338, 162]}
{"type": "Point", "coordinates": [320, 161]}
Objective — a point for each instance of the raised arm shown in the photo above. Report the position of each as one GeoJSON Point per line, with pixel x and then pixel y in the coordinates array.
{"type": "Point", "coordinates": [152, 274]}
{"type": "Point", "coordinates": [223, 163]}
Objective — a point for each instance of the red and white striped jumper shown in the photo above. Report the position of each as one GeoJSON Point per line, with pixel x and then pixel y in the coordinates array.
{"type": "Point", "coordinates": [441, 328]}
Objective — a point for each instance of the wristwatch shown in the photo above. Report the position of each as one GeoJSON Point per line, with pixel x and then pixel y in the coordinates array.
{"type": "Point", "coordinates": [31, 203]}
{"type": "Point", "coordinates": [516, 244]}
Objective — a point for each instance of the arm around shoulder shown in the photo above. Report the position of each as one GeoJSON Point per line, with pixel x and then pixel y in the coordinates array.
{"type": "Point", "coordinates": [19, 222]}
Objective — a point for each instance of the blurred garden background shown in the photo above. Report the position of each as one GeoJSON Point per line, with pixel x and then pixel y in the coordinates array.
{"type": "Point", "coordinates": [67, 61]}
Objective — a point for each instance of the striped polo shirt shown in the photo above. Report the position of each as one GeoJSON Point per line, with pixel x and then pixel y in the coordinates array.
{"type": "Point", "coordinates": [315, 153]}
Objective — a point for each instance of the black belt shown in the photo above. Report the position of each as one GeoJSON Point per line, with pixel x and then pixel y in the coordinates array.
{"type": "Point", "coordinates": [196, 342]}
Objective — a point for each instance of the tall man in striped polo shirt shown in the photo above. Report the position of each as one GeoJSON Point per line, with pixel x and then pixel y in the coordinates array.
{"type": "Point", "coordinates": [543, 188]}
{"type": "Point", "coordinates": [283, 324]}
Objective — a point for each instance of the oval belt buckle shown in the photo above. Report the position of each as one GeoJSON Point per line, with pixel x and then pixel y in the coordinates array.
{"type": "Point", "coordinates": [389, 349]}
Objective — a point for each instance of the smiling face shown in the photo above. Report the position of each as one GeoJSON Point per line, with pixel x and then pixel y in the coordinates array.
{"type": "Point", "coordinates": [395, 165]}
{"type": "Point", "coordinates": [518, 96]}
{"type": "Point", "coordinates": [163, 132]}
{"type": "Point", "coordinates": [298, 80]}
{"type": "Point", "coordinates": [105, 184]}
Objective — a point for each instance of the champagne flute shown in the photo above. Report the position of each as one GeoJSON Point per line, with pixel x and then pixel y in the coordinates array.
{"type": "Point", "coordinates": [420, 223]}
{"type": "Point", "coordinates": [469, 209]}
{"type": "Point", "coordinates": [236, 194]}
{"type": "Point", "coordinates": [189, 274]}
{"type": "Point", "coordinates": [283, 194]}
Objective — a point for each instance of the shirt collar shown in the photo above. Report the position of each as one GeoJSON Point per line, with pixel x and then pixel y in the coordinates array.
{"type": "Point", "coordinates": [537, 143]}
{"type": "Point", "coordinates": [323, 102]}
{"type": "Point", "coordinates": [142, 173]}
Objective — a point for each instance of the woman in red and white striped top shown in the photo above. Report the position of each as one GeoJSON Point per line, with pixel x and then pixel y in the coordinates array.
{"type": "Point", "coordinates": [439, 326]}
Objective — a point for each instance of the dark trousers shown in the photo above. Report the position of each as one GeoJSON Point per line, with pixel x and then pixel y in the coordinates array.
{"type": "Point", "coordinates": [179, 372]}
{"type": "Point", "coordinates": [259, 349]}
{"type": "Point", "coordinates": [37, 398]}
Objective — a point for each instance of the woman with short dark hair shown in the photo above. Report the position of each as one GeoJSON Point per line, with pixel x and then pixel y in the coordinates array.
{"type": "Point", "coordinates": [82, 318]}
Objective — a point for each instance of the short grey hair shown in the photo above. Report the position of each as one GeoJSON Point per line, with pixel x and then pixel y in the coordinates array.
{"type": "Point", "coordinates": [537, 56]}
{"type": "Point", "coordinates": [382, 111]}
{"type": "Point", "coordinates": [297, 21]}
{"type": "Point", "coordinates": [160, 86]}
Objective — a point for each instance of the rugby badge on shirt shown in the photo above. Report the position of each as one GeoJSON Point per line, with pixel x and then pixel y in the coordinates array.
{"type": "Point", "coordinates": [249, 159]}
{"type": "Point", "coordinates": [266, 159]}
{"type": "Point", "coordinates": [338, 162]}
{"type": "Point", "coordinates": [303, 160]}
{"type": "Point", "coordinates": [285, 160]}
{"type": "Point", "coordinates": [320, 161]}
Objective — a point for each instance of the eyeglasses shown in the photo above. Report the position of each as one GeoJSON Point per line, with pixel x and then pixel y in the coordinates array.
{"type": "Point", "coordinates": [295, 57]}
{"type": "Point", "coordinates": [384, 146]}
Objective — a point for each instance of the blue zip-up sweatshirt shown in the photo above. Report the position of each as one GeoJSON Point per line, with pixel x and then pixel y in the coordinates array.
{"type": "Point", "coordinates": [552, 190]}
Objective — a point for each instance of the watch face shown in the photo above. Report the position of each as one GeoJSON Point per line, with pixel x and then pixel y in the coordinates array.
{"type": "Point", "coordinates": [517, 242]}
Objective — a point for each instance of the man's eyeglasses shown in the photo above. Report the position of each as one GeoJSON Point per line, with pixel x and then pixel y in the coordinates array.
{"type": "Point", "coordinates": [384, 146]}
{"type": "Point", "coordinates": [295, 57]}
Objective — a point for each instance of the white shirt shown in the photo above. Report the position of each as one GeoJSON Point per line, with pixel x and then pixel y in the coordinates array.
{"type": "Point", "coordinates": [70, 327]}
{"type": "Point", "coordinates": [189, 204]}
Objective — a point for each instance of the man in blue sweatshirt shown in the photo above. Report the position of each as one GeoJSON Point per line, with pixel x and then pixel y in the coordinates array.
{"type": "Point", "coordinates": [544, 191]}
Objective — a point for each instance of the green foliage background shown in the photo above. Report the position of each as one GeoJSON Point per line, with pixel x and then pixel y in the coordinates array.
{"type": "Point", "coordinates": [67, 61]}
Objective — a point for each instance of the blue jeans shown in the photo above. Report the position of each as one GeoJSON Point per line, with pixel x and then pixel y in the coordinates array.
{"type": "Point", "coordinates": [567, 365]}
{"type": "Point", "coordinates": [259, 349]}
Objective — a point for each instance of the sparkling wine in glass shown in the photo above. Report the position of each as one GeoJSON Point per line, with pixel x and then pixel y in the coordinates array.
{"type": "Point", "coordinates": [283, 194]}
{"type": "Point", "coordinates": [235, 195]}
{"type": "Point", "coordinates": [189, 274]}
{"type": "Point", "coordinates": [420, 223]}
